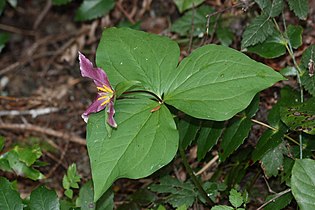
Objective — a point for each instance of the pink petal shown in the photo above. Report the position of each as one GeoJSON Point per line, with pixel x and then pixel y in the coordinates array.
{"type": "Point", "coordinates": [97, 74]}
{"type": "Point", "coordinates": [111, 112]}
{"type": "Point", "coordinates": [94, 107]}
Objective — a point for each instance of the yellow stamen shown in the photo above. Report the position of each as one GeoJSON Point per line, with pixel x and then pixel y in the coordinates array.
{"type": "Point", "coordinates": [105, 89]}
{"type": "Point", "coordinates": [105, 102]}
{"type": "Point", "coordinates": [103, 97]}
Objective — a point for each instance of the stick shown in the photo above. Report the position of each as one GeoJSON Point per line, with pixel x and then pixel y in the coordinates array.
{"type": "Point", "coordinates": [48, 131]}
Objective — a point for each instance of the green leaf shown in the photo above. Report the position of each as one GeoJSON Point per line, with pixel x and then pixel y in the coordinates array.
{"type": "Point", "coordinates": [4, 38]}
{"type": "Point", "coordinates": [180, 192]}
{"type": "Point", "coordinates": [106, 202]}
{"type": "Point", "coordinates": [209, 135]}
{"type": "Point", "coordinates": [224, 35]}
{"type": "Point", "coordinates": [272, 161]}
{"type": "Point", "coordinates": [124, 86]}
{"type": "Point", "coordinates": [128, 54]}
{"type": "Point", "coordinates": [289, 71]}
{"type": "Point", "coordinates": [93, 9]}
{"type": "Point", "coordinates": [279, 203]}
{"type": "Point", "coordinates": [294, 34]}
{"type": "Point", "coordinates": [60, 2]}
{"type": "Point", "coordinates": [9, 198]}
{"type": "Point", "coordinates": [144, 142]}
{"type": "Point", "coordinates": [271, 8]}
{"type": "Point", "coordinates": [183, 5]}
{"type": "Point", "coordinates": [299, 7]}
{"type": "Point", "coordinates": [188, 130]}
{"type": "Point", "coordinates": [44, 199]}
{"type": "Point", "coordinates": [2, 142]}
{"type": "Point", "coordinates": [270, 48]}
{"type": "Point", "coordinates": [303, 183]}
{"type": "Point", "coordinates": [21, 168]}
{"type": "Point", "coordinates": [237, 130]}
{"type": "Point", "coordinates": [182, 26]}
{"type": "Point", "coordinates": [300, 117]}
{"type": "Point", "coordinates": [2, 6]}
{"type": "Point", "coordinates": [86, 197]}
{"type": "Point", "coordinates": [235, 198]}
{"type": "Point", "coordinates": [213, 189]}
{"type": "Point", "coordinates": [257, 31]}
{"type": "Point", "coordinates": [308, 81]}
{"type": "Point", "coordinates": [143, 197]}
{"type": "Point", "coordinates": [216, 82]}
{"type": "Point", "coordinates": [221, 207]}
{"type": "Point", "coordinates": [28, 155]}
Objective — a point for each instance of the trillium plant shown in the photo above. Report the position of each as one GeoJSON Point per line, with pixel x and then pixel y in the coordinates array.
{"type": "Point", "coordinates": [132, 125]}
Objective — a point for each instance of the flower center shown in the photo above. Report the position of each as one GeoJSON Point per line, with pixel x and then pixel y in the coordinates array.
{"type": "Point", "coordinates": [106, 94]}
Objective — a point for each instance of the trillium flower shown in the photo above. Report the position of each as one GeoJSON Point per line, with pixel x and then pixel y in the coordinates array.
{"type": "Point", "coordinates": [105, 95]}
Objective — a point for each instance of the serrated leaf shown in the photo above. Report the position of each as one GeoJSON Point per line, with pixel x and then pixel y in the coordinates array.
{"type": "Point", "coordinates": [180, 192]}
{"type": "Point", "coordinates": [235, 198]}
{"type": "Point", "coordinates": [44, 199]}
{"type": "Point", "coordinates": [237, 130]}
{"type": "Point", "coordinates": [216, 82]}
{"type": "Point", "coordinates": [303, 183]}
{"type": "Point", "coordinates": [183, 25]}
{"type": "Point", "coordinates": [257, 31]}
{"type": "Point", "coordinates": [208, 137]}
{"type": "Point", "coordinates": [300, 117]}
{"type": "Point", "coordinates": [278, 203]}
{"type": "Point", "coordinates": [294, 34]}
{"type": "Point", "coordinates": [128, 54]}
{"type": "Point", "coordinates": [308, 81]}
{"type": "Point", "coordinates": [93, 9]}
{"type": "Point", "coordinates": [144, 142]}
{"type": "Point", "coordinates": [263, 3]}
{"type": "Point", "coordinates": [20, 168]}
{"type": "Point", "coordinates": [183, 5]}
{"type": "Point", "coordinates": [272, 161]}
{"type": "Point", "coordinates": [9, 198]}
{"type": "Point", "coordinates": [267, 141]}
{"type": "Point", "coordinates": [299, 7]}
{"type": "Point", "coordinates": [28, 155]}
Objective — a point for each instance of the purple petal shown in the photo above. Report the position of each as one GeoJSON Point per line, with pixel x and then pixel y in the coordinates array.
{"type": "Point", "coordinates": [97, 74]}
{"type": "Point", "coordinates": [111, 112]}
{"type": "Point", "coordinates": [94, 107]}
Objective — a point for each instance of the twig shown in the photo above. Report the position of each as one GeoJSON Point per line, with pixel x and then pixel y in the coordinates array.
{"type": "Point", "coordinates": [33, 112]}
{"type": "Point", "coordinates": [24, 62]}
{"type": "Point", "coordinates": [129, 17]}
{"type": "Point", "coordinates": [59, 162]}
{"type": "Point", "coordinates": [42, 14]}
{"type": "Point", "coordinates": [202, 192]}
{"type": "Point", "coordinates": [278, 195]}
{"type": "Point", "coordinates": [211, 162]}
{"type": "Point", "coordinates": [48, 131]}
{"type": "Point", "coordinates": [15, 30]}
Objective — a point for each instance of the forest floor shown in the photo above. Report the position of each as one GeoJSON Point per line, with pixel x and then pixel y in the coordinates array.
{"type": "Point", "coordinates": [39, 70]}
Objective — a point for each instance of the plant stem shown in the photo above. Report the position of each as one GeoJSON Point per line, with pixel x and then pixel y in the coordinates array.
{"type": "Point", "coordinates": [274, 129]}
{"type": "Point", "coordinates": [202, 192]}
